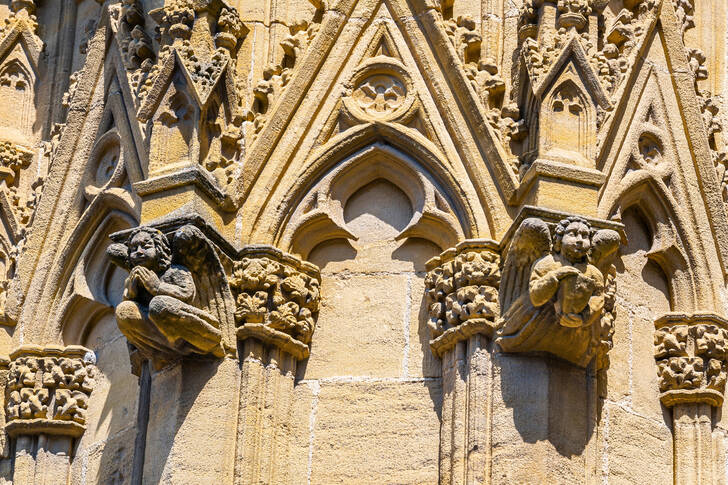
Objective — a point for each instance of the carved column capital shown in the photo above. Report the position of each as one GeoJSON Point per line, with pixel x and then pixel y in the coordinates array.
{"type": "Point", "coordinates": [277, 298]}
{"type": "Point", "coordinates": [690, 350]}
{"type": "Point", "coordinates": [48, 390]}
{"type": "Point", "coordinates": [462, 293]}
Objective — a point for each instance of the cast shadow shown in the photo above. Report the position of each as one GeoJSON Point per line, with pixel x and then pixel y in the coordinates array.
{"type": "Point", "coordinates": [550, 400]}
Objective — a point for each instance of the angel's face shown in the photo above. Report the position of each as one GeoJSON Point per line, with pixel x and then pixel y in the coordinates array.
{"type": "Point", "coordinates": [575, 243]}
{"type": "Point", "coordinates": [143, 250]}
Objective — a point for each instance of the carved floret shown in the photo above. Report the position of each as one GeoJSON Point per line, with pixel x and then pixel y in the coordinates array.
{"type": "Point", "coordinates": [50, 388]}
{"type": "Point", "coordinates": [690, 351]}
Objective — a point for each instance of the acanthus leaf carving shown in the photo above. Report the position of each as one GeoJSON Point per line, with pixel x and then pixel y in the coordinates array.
{"type": "Point", "coordinates": [48, 390]}
{"type": "Point", "coordinates": [690, 351]}
{"type": "Point", "coordinates": [462, 293]}
{"type": "Point", "coordinates": [277, 298]}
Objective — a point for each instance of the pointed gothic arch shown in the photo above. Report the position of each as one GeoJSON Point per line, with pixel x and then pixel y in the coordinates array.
{"type": "Point", "coordinates": [672, 248]}
{"type": "Point", "coordinates": [17, 88]}
{"type": "Point", "coordinates": [397, 147]}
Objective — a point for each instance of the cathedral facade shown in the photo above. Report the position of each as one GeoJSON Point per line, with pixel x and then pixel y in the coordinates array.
{"type": "Point", "coordinates": [295, 242]}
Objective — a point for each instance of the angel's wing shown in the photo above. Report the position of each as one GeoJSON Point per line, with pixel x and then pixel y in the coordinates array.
{"type": "Point", "coordinates": [605, 243]}
{"type": "Point", "coordinates": [531, 241]}
{"type": "Point", "coordinates": [194, 250]}
{"type": "Point", "coordinates": [119, 255]}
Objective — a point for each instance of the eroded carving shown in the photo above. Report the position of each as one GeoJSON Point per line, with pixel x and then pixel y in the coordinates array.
{"type": "Point", "coordinates": [690, 351]}
{"type": "Point", "coordinates": [277, 298]}
{"type": "Point", "coordinates": [557, 293]}
{"type": "Point", "coordinates": [172, 297]}
{"type": "Point", "coordinates": [462, 293]}
{"type": "Point", "coordinates": [48, 390]}
{"type": "Point", "coordinates": [276, 76]}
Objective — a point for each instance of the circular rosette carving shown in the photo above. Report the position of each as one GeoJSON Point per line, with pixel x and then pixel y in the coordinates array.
{"type": "Point", "coordinates": [380, 90]}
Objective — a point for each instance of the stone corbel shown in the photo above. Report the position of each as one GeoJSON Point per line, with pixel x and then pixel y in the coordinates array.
{"type": "Point", "coordinates": [558, 289]}
{"type": "Point", "coordinates": [690, 351]}
{"type": "Point", "coordinates": [277, 300]}
{"type": "Point", "coordinates": [47, 395]}
{"type": "Point", "coordinates": [177, 301]}
{"type": "Point", "coordinates": [462, 293]}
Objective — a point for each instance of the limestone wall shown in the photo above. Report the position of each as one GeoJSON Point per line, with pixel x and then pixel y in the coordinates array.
{"type": "Point", "coordinates": [363, 242]}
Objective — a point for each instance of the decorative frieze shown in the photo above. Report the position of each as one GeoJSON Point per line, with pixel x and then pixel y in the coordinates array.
{"type": "Point", "coordinates": [690, 350]}
{"type": "Point", "coordinates": [277, 298]}
{"type": "Point", "coordinates": [462, 293]}
{"type": "Point", "coordinates": [558, 290]}
{"type": "Point", "coordinates": [48, 390]}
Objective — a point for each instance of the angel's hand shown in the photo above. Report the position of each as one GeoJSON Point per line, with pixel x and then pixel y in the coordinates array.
{"type": "Point", "coordinates": [130, 286]}
{"type": "Point", "coordinates": [571, 320]}
{"type": "Point", "coordinates": [149, 279]}
{"type": "Point", "coordinates": [565, 271]}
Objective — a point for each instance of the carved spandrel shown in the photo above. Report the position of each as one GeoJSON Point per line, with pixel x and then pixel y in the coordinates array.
{"type": "Point", "coordinates": [48, 390]}
{"type": "Point", "coordinates": [277, 298]}
{"type": "Point", "coordinates": [690, 351]}
{"type": "Point", "coordinates": [176, 298]}
{"type": "Point", "coordinates": [462, 293]}
{"type": "Point", "coordinates": [558, 290]}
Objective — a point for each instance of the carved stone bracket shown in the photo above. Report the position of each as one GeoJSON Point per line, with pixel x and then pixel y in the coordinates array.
{"type": "Point", "coordinates": [690, 350]}
{"type": "Point", "coordinates": [177, 301]}
{"type": "Point", "coordinates": [48, 390]}
{"type": "Point", "coordinates": [558, 290]}
{"type": "Point", "coordinates": [277, 297]}
{"type": "Point", "coordinates": [462, 293]}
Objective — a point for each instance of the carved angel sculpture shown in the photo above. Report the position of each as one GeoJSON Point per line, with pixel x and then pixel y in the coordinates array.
{"type": "Point", "coordinates": [176, 297]}
{"type": "Point", "coordinates": [557, 291]}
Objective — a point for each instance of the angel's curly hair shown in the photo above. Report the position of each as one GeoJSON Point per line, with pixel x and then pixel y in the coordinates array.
{"type": "Point", "coordinates": [560, 229]}
{"type": "Point", "coordinates": [161, 243]}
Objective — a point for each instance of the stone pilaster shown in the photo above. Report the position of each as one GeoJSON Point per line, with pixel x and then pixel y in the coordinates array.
{"type": "Point", "coordinates": [462, 291]}
{"type": "Point", "coordinates": [47, 394]}
{"type": "Point", "coordinates": [554, 332]}
{"type": "Point", "coordinates": [277, 297]}
{"type": "Point", "coordinates": [690, 350]}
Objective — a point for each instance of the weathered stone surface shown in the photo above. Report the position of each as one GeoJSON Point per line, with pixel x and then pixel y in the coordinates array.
{"type": "Point", "coordinates": [370, 344]}
{"type": "Point", "coordinates": [402, 450]}
{"type": "Point", "coordinates": [366, 138]}
{"type": "Point", "coordinates": [637, 449]}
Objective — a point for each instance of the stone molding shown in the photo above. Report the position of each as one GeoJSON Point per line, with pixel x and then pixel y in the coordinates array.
{"type": "Point", "coordinates": [277, 297]}
{"type": "Point", "coordinates": [690, 350]}
{"type": "Point", "coordinates": [48, 390]}
{"type": "Point", "coordinates": [462, 293]}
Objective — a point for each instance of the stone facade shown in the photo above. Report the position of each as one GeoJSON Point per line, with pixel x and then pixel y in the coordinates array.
{"type": "Point", "coordinates": [363, 242]}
